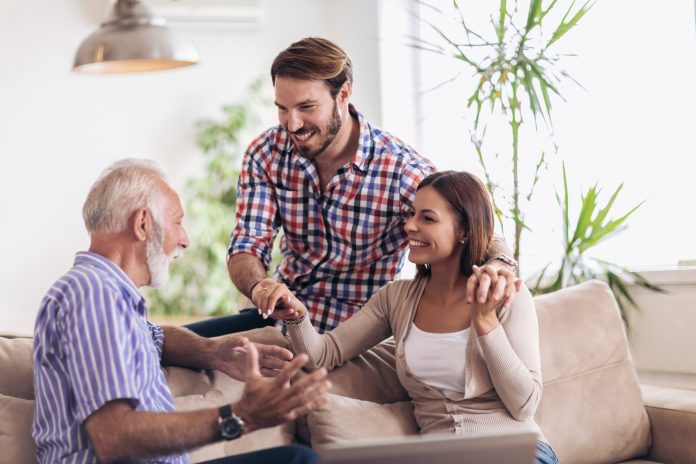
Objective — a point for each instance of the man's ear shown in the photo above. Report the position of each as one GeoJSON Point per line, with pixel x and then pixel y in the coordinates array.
{"type": "Point", "coordinates": [344, 93]}
{"type": "Point", "coordinates": [142, 223]}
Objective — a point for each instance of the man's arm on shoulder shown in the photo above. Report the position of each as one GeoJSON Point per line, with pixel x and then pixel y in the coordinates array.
{"type": "Point", "coordinates": [498, 248]}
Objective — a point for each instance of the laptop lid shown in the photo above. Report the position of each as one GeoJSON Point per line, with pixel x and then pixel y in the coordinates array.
{"type": "Point", "coordinates": [510, 448]}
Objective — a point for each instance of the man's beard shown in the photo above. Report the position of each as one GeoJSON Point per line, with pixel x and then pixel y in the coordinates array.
{"type": "Point", "coordinates": [157, 261]}
{"type": "Point", "coordinates": [330, 131]}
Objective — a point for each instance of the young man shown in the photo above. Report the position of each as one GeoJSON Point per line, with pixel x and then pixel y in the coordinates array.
{"type": "Point", "coordinates": [101, 395]}
{"type": "Point", "coordinates": [338, 187]}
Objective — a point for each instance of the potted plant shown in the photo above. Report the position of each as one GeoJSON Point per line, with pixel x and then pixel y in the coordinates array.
{"type": "Point", "coordinates": [199, 284]}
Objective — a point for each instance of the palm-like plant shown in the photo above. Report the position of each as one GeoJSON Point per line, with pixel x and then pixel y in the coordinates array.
{"type": "Point", "coordinates": [199, 284]}
{"type": "Point", "coordinates": [592, 227]}
{"type": "Point", "coordinates": [518, 77]}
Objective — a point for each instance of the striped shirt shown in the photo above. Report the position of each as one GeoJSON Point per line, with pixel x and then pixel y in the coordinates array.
{"type": "Point", "coordinates": [92, 344]}
{"type": "Point", "coordinates": [340, 245]}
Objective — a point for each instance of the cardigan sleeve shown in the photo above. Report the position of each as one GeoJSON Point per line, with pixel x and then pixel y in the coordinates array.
{"type": "Point", "coordinates": [511, 353]}
{"type": "Point", "coordinates": [360, 332]}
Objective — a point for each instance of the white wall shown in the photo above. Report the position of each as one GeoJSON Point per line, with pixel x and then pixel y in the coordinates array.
{"type": "Point", "coordinates": [59, 130]}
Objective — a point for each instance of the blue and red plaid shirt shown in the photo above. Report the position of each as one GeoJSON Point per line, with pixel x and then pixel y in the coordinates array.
{"type": "Point", "coordinates": [341, 245]}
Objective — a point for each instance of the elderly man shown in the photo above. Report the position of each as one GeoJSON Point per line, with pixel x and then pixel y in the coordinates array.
{"type": "Point", "coordinates": [101, 395]}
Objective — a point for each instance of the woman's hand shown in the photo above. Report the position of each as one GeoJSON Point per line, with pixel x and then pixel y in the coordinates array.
{"type": "Point", "coordinates": [489, 298]}
{"type": "Point", "coordinates": [492, 281]}
{"type": "Point", "coordinates": [274, 299]}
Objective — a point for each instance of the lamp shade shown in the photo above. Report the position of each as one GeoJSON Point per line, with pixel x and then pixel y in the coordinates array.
{"type": "Point", "coordinates": [133, 40]}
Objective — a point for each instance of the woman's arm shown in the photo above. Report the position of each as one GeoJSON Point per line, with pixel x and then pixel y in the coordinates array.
{"type": "Point", "coordinates": [362, 331]}
{"type": "Point", "coordinates": [511, 353]}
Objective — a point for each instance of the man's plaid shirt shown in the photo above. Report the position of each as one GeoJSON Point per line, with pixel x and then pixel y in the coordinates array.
{"type": "Point", "coordinates": [341, 245]}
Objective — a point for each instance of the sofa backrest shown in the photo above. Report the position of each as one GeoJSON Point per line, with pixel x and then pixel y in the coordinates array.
{"type": "Point", "coordinates": [16, 372]}
{"type": "Point", "coordinates": [591, 409]}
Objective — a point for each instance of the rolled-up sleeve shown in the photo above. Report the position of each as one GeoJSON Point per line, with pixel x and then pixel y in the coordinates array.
{"type": "Point", "coordinates": [255, 228]}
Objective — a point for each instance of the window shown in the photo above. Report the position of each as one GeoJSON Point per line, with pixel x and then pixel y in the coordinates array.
{"type": "Point", "coordinates": [633, 123]}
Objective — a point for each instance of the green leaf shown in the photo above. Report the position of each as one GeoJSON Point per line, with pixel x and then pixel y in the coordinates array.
{"type": "Point", "coordinates": [533, 15]}
{"type": "Point", "coordinates": [502, 12]}
{"type": "Point", "coordinates": [585, 218]}
{"type": "Point", "coordinates": [565, 26]}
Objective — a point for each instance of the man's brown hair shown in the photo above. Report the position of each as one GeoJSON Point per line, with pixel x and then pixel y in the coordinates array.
{"type": "Point", "coordinates": [314, 58]}
{"type": "Point", "coordinates": [471, 205]}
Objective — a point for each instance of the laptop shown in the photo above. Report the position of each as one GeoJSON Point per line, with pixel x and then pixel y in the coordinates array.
{"type": "Point", "coordinates": [500, 448]}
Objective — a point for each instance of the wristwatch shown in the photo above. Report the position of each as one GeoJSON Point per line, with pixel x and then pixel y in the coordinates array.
{"type": "Point", "coordinates": [506, 259]}
{"type": "Point", "coordinates": [231, 425]}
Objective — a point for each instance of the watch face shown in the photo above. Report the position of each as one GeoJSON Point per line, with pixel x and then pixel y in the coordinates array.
{"type": "Point", "coordinates": [230, 428]}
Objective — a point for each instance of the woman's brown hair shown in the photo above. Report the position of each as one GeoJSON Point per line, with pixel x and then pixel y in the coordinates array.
{"type": "Point", "coordinates": [471, 204]}
{"type": "Point", "coordinates": [314, 58]}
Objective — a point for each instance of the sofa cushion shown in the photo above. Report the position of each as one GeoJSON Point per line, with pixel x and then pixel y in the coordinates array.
{"type": "Point", "coordinates": [591, 408]}
{"type": "Point", "coordinates": [346, 419]}
{"type": "Point", "coordinates": [16, 415]}
{"type": "Point", "coordinates": [370, 376]}
{"type": "Point", "coordinates": [260, 439]}
{"type": "Point", "coordinates": [16, 357]}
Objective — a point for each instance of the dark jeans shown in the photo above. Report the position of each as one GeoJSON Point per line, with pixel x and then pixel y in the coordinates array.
{"type": "Point", "coordinates": [545, 454]}
{"type": "Point", "coordinates": [247, 319]}
{"type": "Point", "coordinates": [291, 454]}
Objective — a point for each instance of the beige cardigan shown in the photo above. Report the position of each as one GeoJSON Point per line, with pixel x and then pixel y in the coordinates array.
{"type": "Point", "coordinates": [502, 372]}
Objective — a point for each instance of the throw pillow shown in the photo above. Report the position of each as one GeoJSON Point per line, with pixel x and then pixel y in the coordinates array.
{"type": "Point", "coordinates": [16, 443]}
{"type": "Point", "coordinates": [345, 419]}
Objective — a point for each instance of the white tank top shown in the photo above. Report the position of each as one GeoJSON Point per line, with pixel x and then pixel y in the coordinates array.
{"type": "Point", "coordinates": [437, 359]}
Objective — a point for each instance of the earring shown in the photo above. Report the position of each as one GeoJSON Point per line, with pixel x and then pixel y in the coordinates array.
{"type": "Point", "coordinates": [462, 241]}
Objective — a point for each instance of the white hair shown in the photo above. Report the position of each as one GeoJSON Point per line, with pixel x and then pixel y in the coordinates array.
{"type": "Point", "coordinates": [120, 190]}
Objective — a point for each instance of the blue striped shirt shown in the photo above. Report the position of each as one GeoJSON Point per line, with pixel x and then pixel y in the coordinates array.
{"type": "Point", "coordinates": [92, 345]}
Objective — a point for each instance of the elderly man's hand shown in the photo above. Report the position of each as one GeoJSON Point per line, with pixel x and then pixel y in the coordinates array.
{"type": "Point", "coordinates": [494, 281]}
{"type": "Point", "coordinates": [268, 402]}
{"type": "Point", "coordinates": [231, 357]}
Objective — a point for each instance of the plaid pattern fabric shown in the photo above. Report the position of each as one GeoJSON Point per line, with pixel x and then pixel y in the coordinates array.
{"type": "Point", "coordinates": [341, 245]}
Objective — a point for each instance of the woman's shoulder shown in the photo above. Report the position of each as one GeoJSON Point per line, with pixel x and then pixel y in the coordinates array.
{"type": "Point", "coordinates": [401, 289]}
{"type": "Point", "coordinates": [523, 304]}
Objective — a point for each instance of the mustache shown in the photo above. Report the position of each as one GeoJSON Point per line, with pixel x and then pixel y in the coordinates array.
{"type": "Point", "coordinates": [304, 130]}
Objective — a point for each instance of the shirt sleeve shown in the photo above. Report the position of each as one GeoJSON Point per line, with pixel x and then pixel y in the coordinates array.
{"type": "Point", "coordinates": [360, 332]}
{"type": "Point", "coordinates": [157, 334]}
{"type": "Point", "coordinates": [413, 173]}
{"type": "Point", "coordinates": [511, 352]}
{"type": "Point", "coordinates": [255, 228]}
{"type": "Point", "coordinates": [99, 344]}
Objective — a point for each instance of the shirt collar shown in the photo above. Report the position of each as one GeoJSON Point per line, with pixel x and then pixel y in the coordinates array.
{"type": "Point", "coordinates": [108, 266]}
{"type": "Point", "coordinates": [364, 141]}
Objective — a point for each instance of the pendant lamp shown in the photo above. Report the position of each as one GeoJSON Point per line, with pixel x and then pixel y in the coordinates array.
{"type": "Point", "coordinates": [133, 39]}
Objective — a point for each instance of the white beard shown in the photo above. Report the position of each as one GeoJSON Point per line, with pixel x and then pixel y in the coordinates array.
{"type": "Point", "coordinates": [157, 261]}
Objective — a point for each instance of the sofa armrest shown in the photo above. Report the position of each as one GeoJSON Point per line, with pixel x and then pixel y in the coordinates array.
{"type": "Point", "coordinates": [672, 414]}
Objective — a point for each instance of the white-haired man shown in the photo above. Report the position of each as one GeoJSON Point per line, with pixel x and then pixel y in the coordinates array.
{"type": "Point", "coordinates": [101, 395]}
